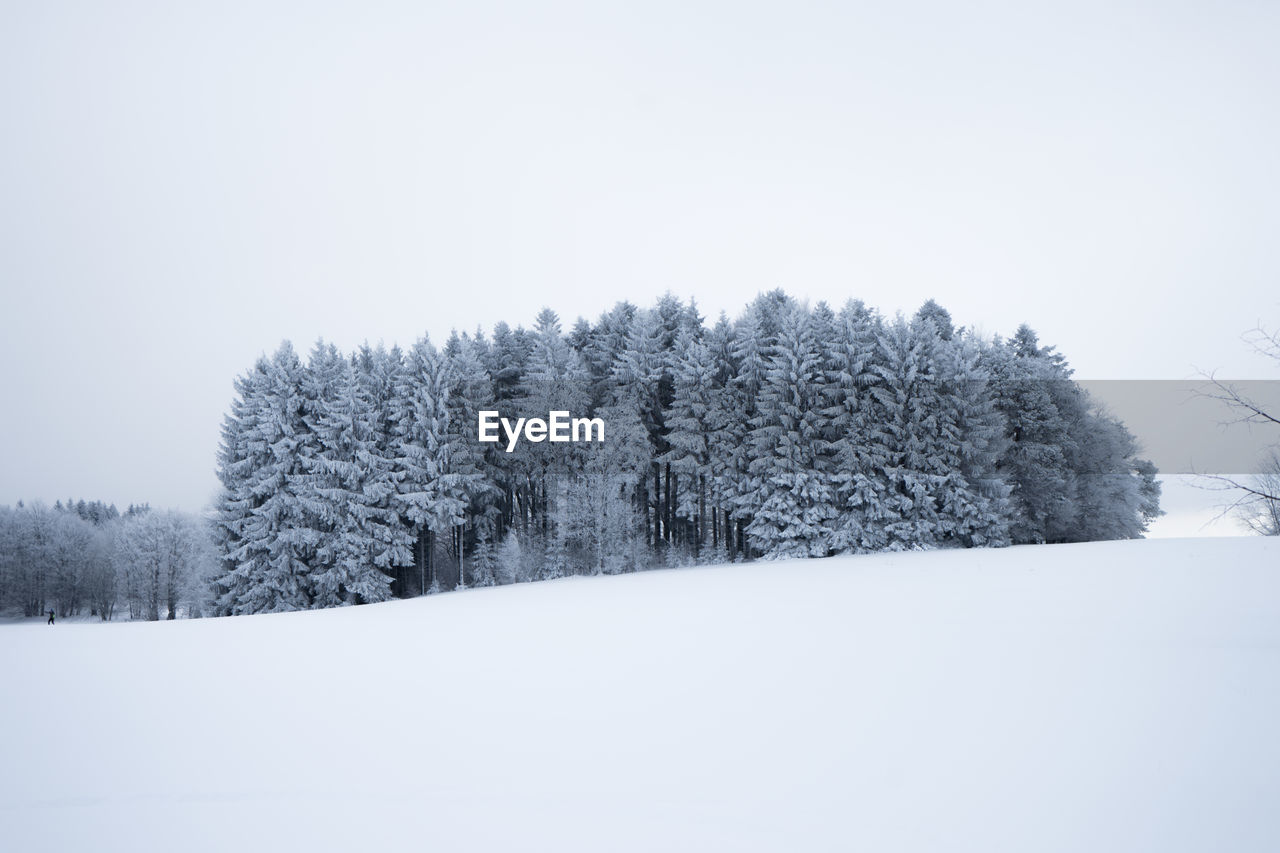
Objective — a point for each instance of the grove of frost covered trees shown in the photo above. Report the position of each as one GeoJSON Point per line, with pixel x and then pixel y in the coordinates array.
{"type": "Point", "coordinates": [793, 431]}
{"type": "Point", "coordinates": [86, 558]}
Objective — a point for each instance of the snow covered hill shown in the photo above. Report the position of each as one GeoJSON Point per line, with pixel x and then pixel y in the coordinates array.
{"type": "Point", "coordinates": [1112, 696]}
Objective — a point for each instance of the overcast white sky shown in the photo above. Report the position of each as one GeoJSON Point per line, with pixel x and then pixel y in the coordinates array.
{"type": "Point", "coordinates": [183, 185]}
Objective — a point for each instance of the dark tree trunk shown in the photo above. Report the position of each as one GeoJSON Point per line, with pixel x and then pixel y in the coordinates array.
{"type": "Point", "coordinates": [668, 507]}
{"type": "Point", "coordinates": [657, 505]}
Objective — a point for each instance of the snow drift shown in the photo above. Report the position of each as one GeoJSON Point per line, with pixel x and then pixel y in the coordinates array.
{"type": "Point", "coordinates": [1109, 696]}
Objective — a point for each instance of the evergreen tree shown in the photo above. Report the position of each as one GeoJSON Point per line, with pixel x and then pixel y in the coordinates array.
{"type": "Point", "coordinates": [904, 491]}
{"type": "Point", "coordinates": [554, 381]}
{"type": "Point", "coordinates": [974, 498]}
{"type": "Point", "coordinates": [857, 458]}
{"type": "Point", "coordinates": [1039, 439]}
{"type": "Point", "coordinates": [689, 427]}
{"type": "Point", "coordinates": [266, 540]}
{"type": "Point", "coordinates": [791, 465]}
{"type": "Point", "coordinates": [470, 393]}
{"type": "Point", "coordinates": [431, 494]}
{"type": "Point", "coordinates": [360, 537]}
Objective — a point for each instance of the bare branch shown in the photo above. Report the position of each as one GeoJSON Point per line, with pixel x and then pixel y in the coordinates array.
{"type": "Point", "coordinates": [1263, 342]}
{"type": "Point", "coordinates": [1234, 399]}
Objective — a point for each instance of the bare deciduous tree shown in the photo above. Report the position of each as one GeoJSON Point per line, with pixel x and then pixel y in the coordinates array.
{"type": "Point", "coordinates": [1255, 500]}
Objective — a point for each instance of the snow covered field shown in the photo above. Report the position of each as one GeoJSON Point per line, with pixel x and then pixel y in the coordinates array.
{"type": "Point", "coordinates": [1113, 696]}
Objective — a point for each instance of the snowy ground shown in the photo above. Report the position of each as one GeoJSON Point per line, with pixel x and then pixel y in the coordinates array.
{"type": "Point", "coordinates": [1118, 696]}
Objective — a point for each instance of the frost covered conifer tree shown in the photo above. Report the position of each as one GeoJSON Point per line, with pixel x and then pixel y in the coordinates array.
{"type": "Point", "coordinates": [750, 354]}
{"type": "Point", "coordinates": [638, 373]}
{"type": "Point", "coordinates": [239, 458]}
{"type": "Point", "coordinates": [974, 499]}
{"type": "Point", "coordinates": [1117, 494]}
{"type": "Point", "coordinates": [940, 434]}
{"type": "Point", "coordinates": [265, 539]}
{"type": "Point", "coordinates": [555, 380]}
{"type": "Point", "coordinates": [383, 541]}
{"type": "Point", "coordinates": [689, 425]}
{"type": "Point", "coordinates": [791, 464]}
{"type": "Point", "coordinates": [1039, 440]}
{"type": "Point", "coordinates": [607, 340]}
{"type": "Point", "coordinates": [326, 462]}
{"type": "Point", "coordinates": [905, 402]}
{"type": "Point", "coordinates": [483, 563]}
{"type": "Point", "coordinates": [1074, 472]}
{"type": "Point", "coordinates": [509, 560]}
{"type": "Point", "coordinates": [505, 359]}
{"type": "Point", "coordinates": [471, 393]}
{"type": "Point", "coordinates": [856, 456]}
{"type": "Point", "coordinates": [431, 494]}
{"type": "Point", "coordinates": [724, 435]}
{"type": "Point", "coordinates": [361, 538]}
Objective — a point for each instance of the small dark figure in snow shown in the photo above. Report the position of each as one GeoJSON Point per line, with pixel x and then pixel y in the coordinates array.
{"type": "Point", "coordinates": [50, 617]}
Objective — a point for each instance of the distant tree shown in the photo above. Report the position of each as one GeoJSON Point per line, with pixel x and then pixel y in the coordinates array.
{"type": "Point", "coordinates": [603, 523]}
{"type": "Point", "coordinates": [165, 560]}
{"type": "Point", "coordinates": [484, 560]}
{"type": "Point", "coordinates": [509, 560]}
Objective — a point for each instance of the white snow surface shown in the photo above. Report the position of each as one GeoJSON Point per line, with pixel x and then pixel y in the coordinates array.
{"type": "Point", "coordinates": [1110, 696]}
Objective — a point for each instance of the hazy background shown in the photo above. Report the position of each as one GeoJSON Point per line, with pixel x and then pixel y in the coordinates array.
{"type": "Point", "coordinates": [184, 185]}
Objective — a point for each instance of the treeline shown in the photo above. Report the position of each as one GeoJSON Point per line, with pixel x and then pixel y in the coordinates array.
{"type": "Point", "coordinates": [791, 431]}
{"type": "Point", "coordinates": [87, 558]}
